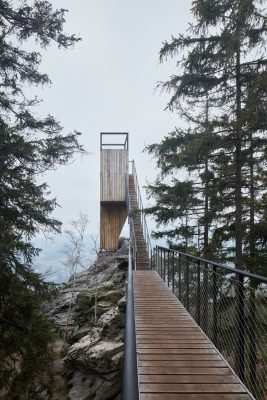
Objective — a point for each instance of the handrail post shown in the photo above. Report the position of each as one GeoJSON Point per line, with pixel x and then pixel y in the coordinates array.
{"type": "Point", "coordinates": [168, 262]}
{"type": "Point", "coordinates": [158, 261]}
{"type": "Point", "coordinates": [252, 336]}
{"type": "Point", "coordinates": [179, 275]}
{"type": "Point", "coordinates": [161, 274]}
{"type": "Point", "coordinates": [130, 389]}
{"type": "Point", "coordinates": [215, 306]}
{"type": "Point", "coordinates": [205, 296]}
{"type": "Point", "coordinates": [164, 265]}
{"type": "Point", "coordinates": [198, 297]}
{"type": "Point", "coordinates": [173, 272]}
{"type": "Point", "coordinates": [240, 342]}
{"type": "Point", "coordinates": [187, 284]}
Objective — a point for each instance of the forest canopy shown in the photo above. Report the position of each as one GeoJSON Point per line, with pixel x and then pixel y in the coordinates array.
{"type": "Point", "coordinates": [211, 193]}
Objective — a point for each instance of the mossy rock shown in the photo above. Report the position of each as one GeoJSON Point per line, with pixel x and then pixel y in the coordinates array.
{"type": "Point", "coordinates": [85, 300]}
{"type": "Point", "coordinates": [112, 296]}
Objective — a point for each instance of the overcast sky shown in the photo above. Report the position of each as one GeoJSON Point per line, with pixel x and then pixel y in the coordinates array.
{"type": "Point", "coordinates": [107, 83]}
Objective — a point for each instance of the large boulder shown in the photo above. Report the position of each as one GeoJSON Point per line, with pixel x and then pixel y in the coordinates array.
{"type": "Point", "coordinates": [95, 333]}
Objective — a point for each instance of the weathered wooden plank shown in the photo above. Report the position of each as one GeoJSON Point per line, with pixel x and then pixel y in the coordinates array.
{"type": "Point", "coordinates": [143, 319]}
{"type": "Point", "coordinates": [190, 339]}
{"type": "Point", "coordinates": [196, 396]}
{"type": "Point", "coordinates": [152, 326]}
{"type": "Point", "coordinates": [179, 333]}
{"type": "Point", "coordinates": [176, 331]}
{"type": "Point", "coordinates": [188, 378]}
{"type": "Point", "coordinates": [160, 331]}
{"type": "Point", "coordinates": [178, 357]}
{"type": "Point", "coordinates": [177, 351]}
{"type": "Point", "coordinates": [191, 388]}
{"type": "Point", "coordinates": [182, 371]}
{"type": "Point", "coordinates": [181, 363]}
{"type": "Point", "coordinates": [168, 309]}
{"type": "Point", "coordinates": [163, 335]}
{"type": "Point", "coordinates": [143, 344]}
{"type": "Point", "coordinates": [189, 345]}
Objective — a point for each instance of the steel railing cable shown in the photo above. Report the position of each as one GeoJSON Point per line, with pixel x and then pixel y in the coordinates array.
{"type": "Point", "coordinates": [229, 305]}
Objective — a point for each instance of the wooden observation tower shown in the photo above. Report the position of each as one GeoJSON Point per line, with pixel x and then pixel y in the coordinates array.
{"type": "Point", "coordinates": [114, 161]}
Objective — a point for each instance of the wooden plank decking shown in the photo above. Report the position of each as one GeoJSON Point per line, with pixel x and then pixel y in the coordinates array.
{"type": "Point", "coordinates": [175, 359]}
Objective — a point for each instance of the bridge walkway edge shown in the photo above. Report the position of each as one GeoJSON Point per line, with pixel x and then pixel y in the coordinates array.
{"type": "Point", "coordinates": [175, 360]}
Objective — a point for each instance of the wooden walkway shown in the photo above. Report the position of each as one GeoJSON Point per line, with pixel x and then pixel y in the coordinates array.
{"type": "Point", "coordinates": [175, 359]}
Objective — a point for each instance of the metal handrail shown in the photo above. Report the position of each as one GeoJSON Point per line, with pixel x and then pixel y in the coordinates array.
{"type": "Point", "coordinates": [130, 389]}
{"type": "Point", "coordinates": [141, 208]}
{"type": "Point", "coordinates": [132, 234]}
{"type": "Point", "coordinates": [228, 305]}
{"type": "Point", "coordinates": [234, 270]}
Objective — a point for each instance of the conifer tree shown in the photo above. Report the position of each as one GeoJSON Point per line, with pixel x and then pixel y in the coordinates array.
{"type": "Point", "coordinates": [223, 59]}
{"type": "Point", "coordinates": [29, 146]}
{"type": "Point", "coordinates": [185, 202]}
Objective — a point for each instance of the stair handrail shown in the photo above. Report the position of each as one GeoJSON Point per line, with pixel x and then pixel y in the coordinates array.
{"type": "Point", "coordinates": [143, 217]}
{"type": "Point", "coordinates": [132, 234]}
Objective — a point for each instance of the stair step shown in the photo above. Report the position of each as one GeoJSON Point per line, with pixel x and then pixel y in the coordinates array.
{"type": "Point", "coordinates": [142, 259]}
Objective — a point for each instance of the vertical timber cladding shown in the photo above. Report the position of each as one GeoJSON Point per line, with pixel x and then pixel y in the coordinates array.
{"type": "Point", "coordinates": [113, 171]}
{"type": "Point", "coordinates": [112, 219]}
{"type": "Point", "coordinates": [113, 196]}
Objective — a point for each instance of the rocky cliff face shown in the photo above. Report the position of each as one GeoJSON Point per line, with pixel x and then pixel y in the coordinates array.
{"type": "Point", "coordinates": [95, 333]}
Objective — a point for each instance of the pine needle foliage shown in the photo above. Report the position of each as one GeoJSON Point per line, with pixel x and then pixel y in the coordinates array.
{"type": "Point", "coordinates": [29, 146]}
{"type": "Point", "coordinates": [221, 64]}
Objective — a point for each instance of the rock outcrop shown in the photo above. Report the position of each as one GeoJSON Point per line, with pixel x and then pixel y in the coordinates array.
{"type": "Point", "coordinates": [95, 332]}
